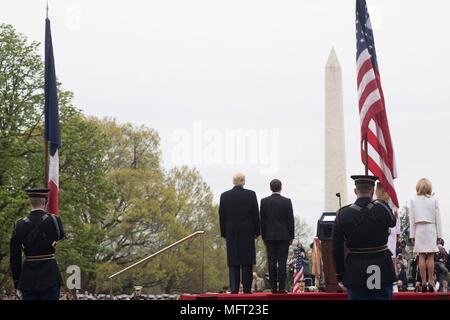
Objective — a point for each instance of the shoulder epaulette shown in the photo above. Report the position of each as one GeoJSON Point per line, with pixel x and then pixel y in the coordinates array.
{"type": "Point", "coordinates": [24, 219]}
{"type": "Point", "coordinates": [347, 206]}
{"type": "Point", "coordinates": [339, 211]}
{"type": "Point", "coordinates": [383, 204]}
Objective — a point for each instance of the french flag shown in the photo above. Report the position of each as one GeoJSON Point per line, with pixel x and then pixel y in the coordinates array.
{"type": "Point", "coordinates": [52, 130]}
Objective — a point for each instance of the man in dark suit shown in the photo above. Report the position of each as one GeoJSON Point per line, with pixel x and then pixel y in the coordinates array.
{"type": "Point", "coordinates": [39, 277]}
{"type": "Point", "coordinates": [239, 225]}
{"type": "Point", "coordinates": [277, 230]}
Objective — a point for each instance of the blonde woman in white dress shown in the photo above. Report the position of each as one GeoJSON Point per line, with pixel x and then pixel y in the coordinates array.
{"type": "Point", "coordinates": [425, 230]}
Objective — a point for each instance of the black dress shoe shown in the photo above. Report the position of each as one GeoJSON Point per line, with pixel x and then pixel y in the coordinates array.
{"type": "Point", "coordinates": [247, 292]}
{"type": "Point", "coordinates": [234, 292]}
{"type": "Point", "coordinates": [274, 291]}
{"type": "Point", "coordinates": [424, 288]}
{"type": "Point", "coordinates": [430, 288]}
{"type": "Point", "coordinates": [282, 291]}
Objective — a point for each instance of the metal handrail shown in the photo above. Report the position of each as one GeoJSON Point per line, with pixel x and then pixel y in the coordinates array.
{"type": "Point", "coordinates": [142, 261]}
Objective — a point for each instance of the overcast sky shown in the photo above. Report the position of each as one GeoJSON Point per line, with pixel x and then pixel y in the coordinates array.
{"type": "Point", "coordinates": [200, 70]}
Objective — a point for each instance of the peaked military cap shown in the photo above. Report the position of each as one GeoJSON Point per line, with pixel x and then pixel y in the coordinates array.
{"type": "Point", "coordinates": [364, 180]}
{"type": "Point", "coordinates": [38, 192]}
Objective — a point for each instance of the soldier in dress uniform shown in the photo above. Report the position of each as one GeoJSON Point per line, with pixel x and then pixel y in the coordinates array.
{"type": "Point", "coordinates": [137, 294]}
{"type": "Point", "coordinates": [367, 271]}
{"type": "Point", "coordinates": [39, 277]}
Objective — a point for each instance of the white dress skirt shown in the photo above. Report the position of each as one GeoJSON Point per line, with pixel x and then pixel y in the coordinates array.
{"type": "Point", "coordinates": [425, 238]}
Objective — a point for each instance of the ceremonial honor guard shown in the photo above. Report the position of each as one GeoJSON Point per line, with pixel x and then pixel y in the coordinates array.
{"type": "Point", "coordinates": [137, 294]}
{"type": "Point", "coordinates": [367, 272]}
{"type": "Point", "coordinates": [39, 277]}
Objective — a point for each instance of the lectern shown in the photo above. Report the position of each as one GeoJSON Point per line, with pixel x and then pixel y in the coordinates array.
{"type": "Point", "coordinates": [325, 235]}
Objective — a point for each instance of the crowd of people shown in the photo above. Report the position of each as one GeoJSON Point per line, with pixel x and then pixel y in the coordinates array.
{"type": "Point", "coordinates": [76, 295]}
{"type": "Point", "coordinates": [408, 271]}
{"type": "Point", "coordinates": [69, 296]}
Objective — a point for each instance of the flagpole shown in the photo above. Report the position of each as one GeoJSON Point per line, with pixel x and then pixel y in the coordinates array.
{"type": "Point", "coordinates": [366, 152]}
{"type": "Point", "coordinates": [45, 138]}
{"type": "Point", "coordinates": [45, 162]}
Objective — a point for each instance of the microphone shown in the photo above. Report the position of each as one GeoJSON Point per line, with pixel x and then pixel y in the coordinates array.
{"type": "Point", "coordinates": [339, 196]}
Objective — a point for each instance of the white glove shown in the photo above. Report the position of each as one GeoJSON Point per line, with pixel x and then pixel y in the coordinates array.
{"type": "Point", "coordinates": [341, 285]}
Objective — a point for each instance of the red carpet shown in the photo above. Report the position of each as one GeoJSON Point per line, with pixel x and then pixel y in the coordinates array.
{"type": "Point", "coordinates": [310, 296]}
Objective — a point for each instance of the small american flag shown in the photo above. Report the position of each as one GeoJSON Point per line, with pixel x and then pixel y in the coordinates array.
{"type": "Point", "coordinates": [372, 110]}
{"type": "Point", "coordinates": [299, 270]}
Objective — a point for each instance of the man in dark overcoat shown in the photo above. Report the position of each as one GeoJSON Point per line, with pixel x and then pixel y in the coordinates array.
{"type": "Point", "coordinates": [240, 226]}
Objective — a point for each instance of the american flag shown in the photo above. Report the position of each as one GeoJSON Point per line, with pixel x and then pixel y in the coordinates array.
{"type": "Point", "coordinates": [299, 270]}
{"type": "Point", "coordinates": [52, 131]}
{"type": "Point", "coordinates": [372, 110]}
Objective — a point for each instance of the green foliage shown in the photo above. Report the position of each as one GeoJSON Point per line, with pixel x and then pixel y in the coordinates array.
{"type": "Point", "coordinates": [153, 209]}
{"type": "Point", "coordinates": [303, 232]}
{"type": "Point", "coordinates": [84, 191]}
{"type": "Point", "coordinates": [117, 203]}
{"type": "Point", "coordinates": [21, 94]}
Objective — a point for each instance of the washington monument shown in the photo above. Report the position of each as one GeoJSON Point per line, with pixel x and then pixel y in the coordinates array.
{"type": "Point", "coordinates": [335, 168]}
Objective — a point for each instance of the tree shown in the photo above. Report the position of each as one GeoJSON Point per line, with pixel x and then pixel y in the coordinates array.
{"type": "Point", "coordinates": [83, 188]}
{"type": "Point", "coordinates": [152, 209]}
{"type": "Point", "coordinates": [84, 191]}
{"type": "Point", "coordinates": [20, 97]}
{"type": "Point", "coordinates": [196, 211]}
{"type": "Point", "coordinates": [118, 204]}
{"type": "Point", "coordinates": [140, 214]}
{"type": "Point", "coordinates": [303, 232]}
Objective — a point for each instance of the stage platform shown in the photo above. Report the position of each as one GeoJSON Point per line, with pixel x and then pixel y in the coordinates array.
{"type": "Point", "coordinates": [310, 296]}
